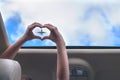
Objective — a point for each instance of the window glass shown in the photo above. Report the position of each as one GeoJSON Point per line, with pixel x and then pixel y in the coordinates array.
{"type": "Point", "coordinates": [81, 22]}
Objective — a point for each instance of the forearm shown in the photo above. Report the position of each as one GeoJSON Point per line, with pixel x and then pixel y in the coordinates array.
{"type": "Point", "coordinates": [12, 50]}
{"type": "Point", "coordinates": [62, 62]}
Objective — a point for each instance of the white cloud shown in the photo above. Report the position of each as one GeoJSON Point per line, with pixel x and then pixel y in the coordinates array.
{"type": "Point", "coordinates": [98, 33]}
{"type": "Point", "coordinates": [66, 15]}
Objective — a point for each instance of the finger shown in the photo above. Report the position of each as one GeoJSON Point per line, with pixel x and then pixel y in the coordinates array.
{"type": "Point", "coordinates": [36, 23]}
{"type": "Point", "coordinates": [49, 26]}
{"type": "Point", "coordinates": [32, 26]}
{"type": "Point", "coordinates": [37, 37]}
{"type": "Point", "coordinates": [46, 37]}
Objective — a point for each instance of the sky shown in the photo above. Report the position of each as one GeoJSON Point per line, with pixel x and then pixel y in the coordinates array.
{"type": "Point", "coordinates": [81, 22]}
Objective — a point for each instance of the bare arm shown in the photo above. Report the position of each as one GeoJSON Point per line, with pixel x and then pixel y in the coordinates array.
{"type": "Point", "coordinates": [12, 50]}
{"type": "Point", "coordinates": [62, 58]}
{"type": "Point", "coordinates": [62, 63]}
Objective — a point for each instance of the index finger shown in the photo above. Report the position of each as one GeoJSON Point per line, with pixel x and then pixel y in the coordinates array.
{"type": "Point", "coordinates": [49, 26]}
{"type": "Point", "coordinates": [32, 26]}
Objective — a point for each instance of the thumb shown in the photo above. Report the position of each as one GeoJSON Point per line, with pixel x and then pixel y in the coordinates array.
{"type": "Point", "coordinates": [46, 37]}
{"type": "Point", "coordinates": [37, 37]}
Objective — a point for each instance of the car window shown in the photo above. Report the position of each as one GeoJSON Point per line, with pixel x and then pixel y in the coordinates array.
{"type": "Point", "coordinates": [81, 22]}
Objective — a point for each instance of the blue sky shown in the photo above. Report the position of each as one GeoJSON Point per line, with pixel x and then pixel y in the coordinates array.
{"type": "Point", "coordinates": [81, 23]}
{"type": "Point", "coordinates": [14, 22]}
{"type": "Point", "coordinates": [3, 0]}
{"type": "Point", "coordinates": [12, 25]}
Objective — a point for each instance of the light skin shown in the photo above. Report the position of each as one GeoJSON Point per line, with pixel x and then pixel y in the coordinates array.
{"type": "Point", "coordinates": [12, 50]}
{"type": "Point", "coordinates": [55, 36]}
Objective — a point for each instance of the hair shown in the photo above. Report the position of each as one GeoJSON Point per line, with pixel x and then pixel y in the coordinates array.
{"type": "Point", "coordinates": [25, 77]}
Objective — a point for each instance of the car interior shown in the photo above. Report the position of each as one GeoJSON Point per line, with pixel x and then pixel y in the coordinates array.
{"type": "Point", "coordinates": [86, 63]}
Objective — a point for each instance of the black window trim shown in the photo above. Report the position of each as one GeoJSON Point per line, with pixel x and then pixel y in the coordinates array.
{"type": "Point", "coordinates": [72, 47]}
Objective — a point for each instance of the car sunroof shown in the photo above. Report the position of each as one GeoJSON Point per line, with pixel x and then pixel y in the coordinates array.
{"type": "Point", "coordinates": [82, 23]}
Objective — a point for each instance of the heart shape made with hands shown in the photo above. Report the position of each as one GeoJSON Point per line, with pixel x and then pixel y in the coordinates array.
{"type": "Point", "coordinates": [42, 32]}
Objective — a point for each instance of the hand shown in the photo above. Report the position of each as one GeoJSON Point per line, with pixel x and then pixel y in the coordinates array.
{"type": "Point", "coordinates": [55, 36]}
{"type": "Point", "coordinates": [29, 34]}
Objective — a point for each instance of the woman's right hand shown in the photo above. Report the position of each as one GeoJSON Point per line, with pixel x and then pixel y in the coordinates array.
{"type": "Point", "coordinates": [55, 35]}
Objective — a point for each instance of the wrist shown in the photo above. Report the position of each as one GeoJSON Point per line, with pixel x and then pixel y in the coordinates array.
{"type": "Point", "coordinates": [60, 44]}
{"type": "Point", "coordinates": [23, 38]}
